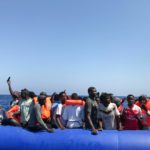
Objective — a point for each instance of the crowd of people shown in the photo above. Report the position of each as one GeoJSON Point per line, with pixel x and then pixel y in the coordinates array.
{"type": "Point", "coordinates": [96, 112]}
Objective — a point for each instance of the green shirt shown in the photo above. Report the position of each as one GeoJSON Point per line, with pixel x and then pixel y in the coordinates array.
{"type": "Point", "coordinates": [91, 107]}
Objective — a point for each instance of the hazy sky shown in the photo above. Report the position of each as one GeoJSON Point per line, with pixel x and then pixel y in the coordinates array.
{"type": "Point", "coordinates": [73, 44]}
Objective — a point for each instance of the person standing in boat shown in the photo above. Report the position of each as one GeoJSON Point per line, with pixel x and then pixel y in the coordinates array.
{"type": "Point", "coordinates": [132, 115]}
{"type": "Point", "coordinates": [58, 111]}
{"type": "Point", "coordinates": [144, 104]}
{"type": "Point", "coordinates": [109, 116]}
{"type": "Point", "coordinates": [25, 104]}
{"type": "Point", "coordinates": [91, 110]}
{"type": "Point", "coordinates": [73, 113]}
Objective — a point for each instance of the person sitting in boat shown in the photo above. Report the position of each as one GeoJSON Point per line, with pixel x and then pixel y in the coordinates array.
{"type": "Point", "coordinates": [109, 116]}
{"type": "Point", "coordinates": [58, 111]}
{"type": "Point", "coordinates": [15, 94]}
{"type": "Point", "coordinates": [73, 113]}
{"type": "Point", "coordinates": [12, 116]}
{"type": "Point", "coordinates": [91, 111]}
{"type": "Point", "coordinates": [55, 102]}
{"type": "Point", "coordinates": [45, 107]}
{"type": "Point", "coordinates": [36, 122]}
{"type": "Point", "coordinates": [144, 104]}
{"type": "Point", "coordinates": [132, 115]}
{"type": "Point", "coordinates": [24, 107]}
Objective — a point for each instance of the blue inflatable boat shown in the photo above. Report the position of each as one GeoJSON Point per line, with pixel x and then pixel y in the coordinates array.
{"type": "Point", "coordinates": [14, 138]}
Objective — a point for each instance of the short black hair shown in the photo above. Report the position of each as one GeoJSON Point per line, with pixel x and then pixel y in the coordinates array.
{"type": "Point", "coordinates": [90, 89]}
{"type": "Point", "coordinates": [130, 95]}
{"type": "Point", "coordinates": [142, 97]}
{"type": "Point", "coordinates": [61, 93]}
{"type": "Point", "coordinates": [74, 96]}
{"type": "Point", "coordinates": [32, 94]}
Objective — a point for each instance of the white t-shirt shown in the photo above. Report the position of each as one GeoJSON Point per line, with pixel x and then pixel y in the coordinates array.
{"type": "Point", "coordinates": [108, 119]}
{"type": "Point", "coordinates": [59, 109]}
{"type": "Point", "coordinates": [24, 110]}
{"type": "Point", "coordinates": [73, 115]}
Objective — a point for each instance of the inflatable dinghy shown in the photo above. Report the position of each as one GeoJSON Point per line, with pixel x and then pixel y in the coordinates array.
{"type": "Point", "coordinates": [15, 138]}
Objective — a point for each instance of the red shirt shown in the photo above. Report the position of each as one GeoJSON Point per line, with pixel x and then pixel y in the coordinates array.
{"type": "Point", "coordinates": [131, 116]}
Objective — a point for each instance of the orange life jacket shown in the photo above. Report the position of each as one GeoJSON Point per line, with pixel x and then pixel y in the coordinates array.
{"type": "Point", "coordinates": [12, 110]}
{"type": "Point", "coordinates": [46, 109]}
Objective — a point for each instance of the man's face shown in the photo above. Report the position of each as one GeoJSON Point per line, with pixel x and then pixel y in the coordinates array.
{"type": "Point", "coordinates": [131, 100]}
{"type": "Point", "coordinates": [63, 97]}
{"type": "Point", "coordinates": [93, 92]}
{"type": "Point", "coordinates": [143, 101]}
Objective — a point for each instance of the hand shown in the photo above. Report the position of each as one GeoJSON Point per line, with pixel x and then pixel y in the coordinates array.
{"type": "Point", "coordinates": [83, 126]}
{"type": "Point", "coordinates": [49, 119]}
{"type": "Point", "coordinates": [120, 128]}
{"type": "Point", "coordinates": [8, 80]}
{"type": "Point", "coordinates": [100, 129]}
{"type": "Point", "coordinates": [50, 130]}
{"type": "Point", "coordinates": [144, 107]}
{"type": "Point", "coordinates": [94, 132]}
{"type": "Point", "coordinates": [62, 128]}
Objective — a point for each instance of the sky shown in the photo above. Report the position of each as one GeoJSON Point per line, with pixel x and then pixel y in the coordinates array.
{"type": "Point", "coordinates": [74, 44]}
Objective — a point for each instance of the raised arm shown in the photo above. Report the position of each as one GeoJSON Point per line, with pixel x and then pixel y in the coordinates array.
{"type": "Point", "coordinates": [9, 87]}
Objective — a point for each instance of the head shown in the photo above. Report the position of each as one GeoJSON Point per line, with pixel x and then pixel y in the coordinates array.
{"type": "Point", "coordinates": [43, 93]}
{"type": "Point", "coordinates": [92, 92]}
{"type": "Point", "coordinates": [74, 96]}
{"type": "Point", "coordinates": [24, 94]}
{"type": "Point", "coordinates": [105, 99]}
{"type": "Point", "coordinates": [111, 97]}
{"type": "Point", "coordinates": [32, 94]}
{"type": "Point", "coordinates": [117, 101]}
{"type": "Point", "coordinates": [41, 99]}
{"type": "Point", "coordinates": [54, 97]}
{"type": "Point", "coordinates": [142, 99]}
{"type": "Point", "coordinates": [130, 100]}
{"type": "Point", "coordinates": [62, 97]}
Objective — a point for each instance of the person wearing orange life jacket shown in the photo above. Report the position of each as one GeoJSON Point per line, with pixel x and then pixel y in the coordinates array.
{"type": "Point", "coordinates": [144, 104]}
{"type": "Point", "coordinates": [11, 118]}
{"type": "Point", "coordinates": [46, 106]}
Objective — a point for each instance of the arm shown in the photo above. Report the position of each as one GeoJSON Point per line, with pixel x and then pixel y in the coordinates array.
{"type": "Point", "coordinates": [58, 119]}
{"type": "Point", "coordinates": [100, 121]}
{"type": "Point", "coordinates": [88, 114]}
{"type": "Point", "coordinates": [9, 86]}
{"type": "Point", "coordinates": [88, 109]}
{"type": "Point", "coordinates": [100, 125]}
{"type": "Point", "coordinates": [58, 116]}
{"type": "Point", "coordinates": [39, 119]}
{"type": "Point", "coordinates": [119, 125]}
{"type": "Point", "coordinates": [118, 120]}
